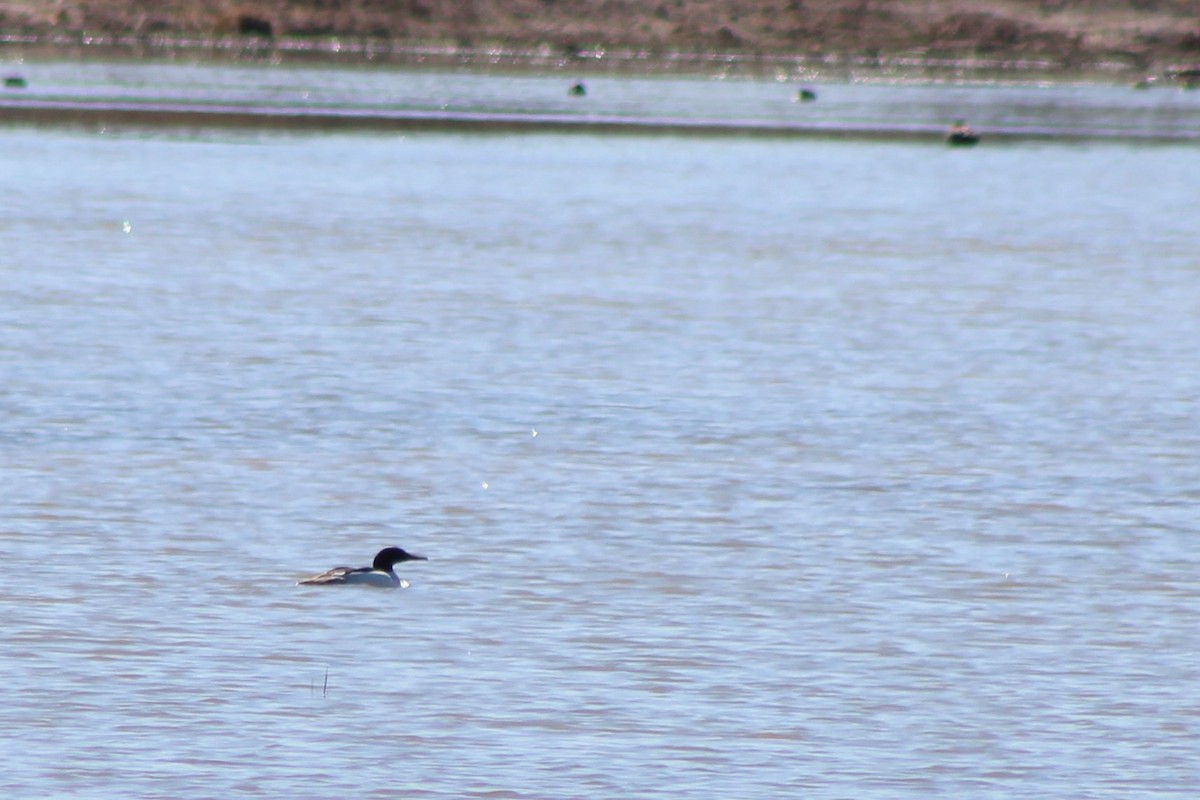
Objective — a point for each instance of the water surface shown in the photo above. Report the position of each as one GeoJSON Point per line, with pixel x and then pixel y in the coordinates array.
{"type": "Point", "coordinates": [365, 95]}
{"type": "Point", "coordinates": [745, 468]}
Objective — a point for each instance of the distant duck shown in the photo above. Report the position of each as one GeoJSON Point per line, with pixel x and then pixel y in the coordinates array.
{"type": "Point", "coordinates": [577, 89]}
{"type": "Point", "coordinates": [961, 134]}
{"type": "Point", "coordinates": [381, 573]}
{"type": "Point", "coordinates": [15, 82]}
{"type": "Point", "coordinates": [806, 95]}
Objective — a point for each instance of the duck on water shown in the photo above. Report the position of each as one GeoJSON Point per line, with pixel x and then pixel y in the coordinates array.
{"type": "Point", "coordinates": [381, 573]}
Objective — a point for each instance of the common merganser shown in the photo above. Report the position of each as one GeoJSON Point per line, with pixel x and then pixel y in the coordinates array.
{"type": "Point", "coordinates": [380, 573]}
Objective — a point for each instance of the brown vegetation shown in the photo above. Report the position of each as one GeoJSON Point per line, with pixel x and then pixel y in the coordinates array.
{"type": "Point", "coordinates": [1139, 33]}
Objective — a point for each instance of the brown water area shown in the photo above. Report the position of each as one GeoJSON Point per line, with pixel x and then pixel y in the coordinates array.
{"type": "Point", "coordinates": [1135, 37]}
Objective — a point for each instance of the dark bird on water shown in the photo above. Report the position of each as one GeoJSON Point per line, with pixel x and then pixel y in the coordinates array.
{"type": "Point", "coordinates": [381, 573]}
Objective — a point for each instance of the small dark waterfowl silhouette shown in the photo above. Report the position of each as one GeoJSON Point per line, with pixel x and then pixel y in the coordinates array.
{"type": "Point", "coordinates": [962, 135]}
{"type": "Point", "coordinates": [806, 95]}
{"type": "Point", "coordinates": [577, 89]}
{"type": "Point", "coordinates": [15, 82]}
{"type": "Point", "coordinates": [381, 573]}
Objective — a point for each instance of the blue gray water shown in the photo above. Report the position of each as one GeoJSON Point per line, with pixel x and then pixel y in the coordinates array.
{"type": "Point", "coordinates": [882, 102]}
{"type": "Point", "coordinates": [745, 468]}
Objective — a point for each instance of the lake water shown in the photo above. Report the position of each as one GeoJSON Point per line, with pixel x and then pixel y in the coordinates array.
{"type": "Point", "coordinates": [746, 468]}
{"type": "Point", "coordinates": [358, 96]}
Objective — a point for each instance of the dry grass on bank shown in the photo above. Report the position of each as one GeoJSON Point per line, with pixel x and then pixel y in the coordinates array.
{"type": "Point", "coordinates": [1138, 32]}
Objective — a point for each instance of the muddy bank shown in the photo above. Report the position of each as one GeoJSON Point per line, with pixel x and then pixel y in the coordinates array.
{"type": "Point", "coordinates": [1117, 36]}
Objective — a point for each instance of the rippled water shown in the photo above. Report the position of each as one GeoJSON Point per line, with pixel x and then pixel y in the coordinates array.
{"type": "Point", "coordinates": [745, 468]}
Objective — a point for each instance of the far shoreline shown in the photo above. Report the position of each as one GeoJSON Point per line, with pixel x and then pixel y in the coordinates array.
{"type": "Point", "coordinates": [16, 50]}
{"type": "Point", "coordinates": [25, 105]}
